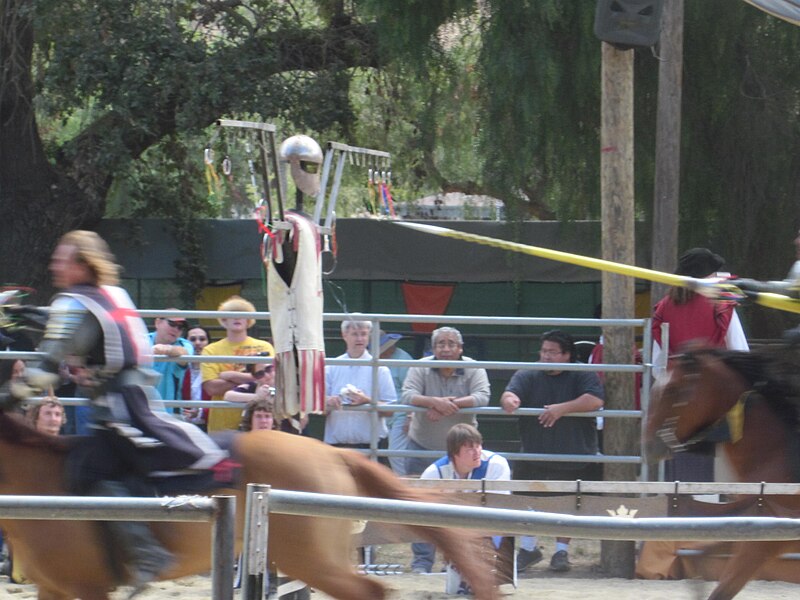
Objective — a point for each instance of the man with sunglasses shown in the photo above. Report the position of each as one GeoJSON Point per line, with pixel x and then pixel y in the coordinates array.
{"type": "Point", "coordinates": [261, 388]}
{"type": "Point", "coordinates": [167, 341]}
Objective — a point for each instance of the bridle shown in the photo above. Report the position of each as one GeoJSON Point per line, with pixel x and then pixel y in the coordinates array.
{"type": "Point", "coordinates": [727, 428]}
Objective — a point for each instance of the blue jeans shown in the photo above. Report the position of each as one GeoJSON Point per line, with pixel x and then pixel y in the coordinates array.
{"type": "Point", "coordinates": [415, 466]}
{"type": "Point", "coordinates": [398, 440]}
{"type": "Point", "coordinates": [424, 553]}
{"type": "Point", "coordinates": [424, 556]}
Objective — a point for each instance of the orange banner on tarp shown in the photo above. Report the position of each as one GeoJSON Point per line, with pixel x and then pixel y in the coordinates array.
{"type": "Point", "coordinates": [426, 299]}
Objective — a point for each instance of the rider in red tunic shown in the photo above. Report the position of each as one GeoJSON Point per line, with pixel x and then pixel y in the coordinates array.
{"type": "Point", "coordinates": [692, 316]}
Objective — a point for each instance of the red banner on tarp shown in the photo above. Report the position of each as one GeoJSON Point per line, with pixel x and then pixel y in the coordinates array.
{"type": "Point", "coordinates": [426, 299]}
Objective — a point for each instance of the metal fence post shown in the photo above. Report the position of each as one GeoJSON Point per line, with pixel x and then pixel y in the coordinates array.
{"type": "Point", "coordinates": [222, 543]}
{"type": "Point", "coordinates": [254, 547]}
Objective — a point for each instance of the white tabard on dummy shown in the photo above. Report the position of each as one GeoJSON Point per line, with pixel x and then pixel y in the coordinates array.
{"type": "Point", "coordinates": [296, 320]}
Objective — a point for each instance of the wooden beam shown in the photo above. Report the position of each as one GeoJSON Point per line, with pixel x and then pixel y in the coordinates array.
{"type": "Point", "coordinates": [616, 184]}
{"type": "Point", "coordinates": [666, 192]}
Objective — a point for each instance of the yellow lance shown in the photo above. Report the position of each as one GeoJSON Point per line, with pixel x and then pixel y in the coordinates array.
{"type": "Point", "coordinates": [716, 288]}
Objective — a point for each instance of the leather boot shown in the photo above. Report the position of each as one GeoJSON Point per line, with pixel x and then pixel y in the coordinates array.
{"type": "Point", "coordinates": [145, 556]}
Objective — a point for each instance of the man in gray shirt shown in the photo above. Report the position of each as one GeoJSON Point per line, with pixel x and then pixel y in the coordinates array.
{"type": "Point", "coordinates": [444, 392]}
{"type": "Point", "coordinates": [559, 393]}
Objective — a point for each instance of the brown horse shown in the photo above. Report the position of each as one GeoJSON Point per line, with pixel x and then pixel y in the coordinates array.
{"type": "Point", "coordinates": [69, 559]}
{"type": "Point", "coordinates": [749, 402]}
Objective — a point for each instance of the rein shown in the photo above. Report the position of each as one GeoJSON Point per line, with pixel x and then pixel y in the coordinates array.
{"type": "Point", "coordinates": [728, 428]}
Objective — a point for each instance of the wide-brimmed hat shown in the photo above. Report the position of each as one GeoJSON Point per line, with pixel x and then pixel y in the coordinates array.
{"type": "Point", "coordinates": [388, 340]}
{"type": "Point", "coordinates": [699, 263]}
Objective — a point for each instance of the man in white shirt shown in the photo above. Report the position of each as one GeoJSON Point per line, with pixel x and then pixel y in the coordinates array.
{"type": "Point", "coordinates": [351, 385]}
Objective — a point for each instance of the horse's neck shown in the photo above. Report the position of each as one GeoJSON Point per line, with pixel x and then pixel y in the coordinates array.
{"type": "Point", "coordinates": [768, 451]}
{"type": "Point", "coordinates": [25, 470]}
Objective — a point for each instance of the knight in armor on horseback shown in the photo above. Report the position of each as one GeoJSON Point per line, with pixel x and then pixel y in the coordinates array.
{"type": "Point", "coordinates": [94, 325]}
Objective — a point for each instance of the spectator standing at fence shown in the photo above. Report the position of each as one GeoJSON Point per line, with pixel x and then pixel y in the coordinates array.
{"type": "Point", "coordinates": [257, 415]}
{"type": "Point", "coordinates": [261, 388]}
{"type": "Point", "coordinates": [351, 385]}
{"type": "Point", "coordinates": [444, 392]}
{"type": "Point", "coordinates": [12, 371]}
{"type": "Point", "coordinates": [693, 317]}
{"type": "Point", "coordinates": [559, 393]}
{"type": "Point", "coordinates": [398, 422]}
{"type": "Point", "coordinates": [48, 416]}
{"type": "Point", "coordinates": [218, 378]}
{"type": "Point", "coordinates": [167, 341]}
{"type": "Point", "coordinates": [465, 459]}
{"type": "Point", "coordinates": [192, 384]}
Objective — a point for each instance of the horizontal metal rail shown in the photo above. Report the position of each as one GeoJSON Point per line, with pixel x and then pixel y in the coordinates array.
{"type": "Point", "coordinates": [405, 318]}
{"type": "Point", "coordinates": [269, 127]}
{"type": "Point", "coordinates": [520, 522]}
{"type": "Point", "coordinates": [388, 408]}
{"type": "Point", "coordinates": [220, 510]}
{"type": "Point", "coordinates": [356, 150]}
{"type": "Point", "coordinates": [609, 487]}
{"type": "Point", "coordinates": [97, 508]}
{"type": "Point", "coordinates": [498, 365]}
{"type": "Point", "coordinates": [520, 456]}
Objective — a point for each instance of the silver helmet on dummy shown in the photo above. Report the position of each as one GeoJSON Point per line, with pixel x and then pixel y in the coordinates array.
{"type": "Point", "coordinates": [304, 156]}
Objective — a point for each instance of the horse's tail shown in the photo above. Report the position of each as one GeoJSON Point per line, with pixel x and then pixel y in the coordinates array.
{"type": "Point", "coordinates": [463, 548]}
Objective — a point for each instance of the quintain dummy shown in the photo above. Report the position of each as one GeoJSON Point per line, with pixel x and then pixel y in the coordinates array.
{"type": "Point", "coordinates": [294, 293]}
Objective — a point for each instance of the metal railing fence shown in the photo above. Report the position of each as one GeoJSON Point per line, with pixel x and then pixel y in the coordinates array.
{"type": "Point", "coordinates": [379, 320]}
{"type": "Point", "coordinates": [524, 522]}
{"type": "Point", "coordinates": [220, 510]}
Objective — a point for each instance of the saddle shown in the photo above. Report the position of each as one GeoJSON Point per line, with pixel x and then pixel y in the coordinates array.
{"type": "Point", "coordinates": [225, 474]}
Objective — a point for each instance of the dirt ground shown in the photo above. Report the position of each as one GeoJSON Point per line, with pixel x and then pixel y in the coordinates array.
{"type": "Point", "coordinates": [584, 581]}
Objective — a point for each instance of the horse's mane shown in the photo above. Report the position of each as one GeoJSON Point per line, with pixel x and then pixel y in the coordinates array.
{"type": "Point", "coordinates": [14, 429]}
{"type": "Point", "coordinates": [773, 372]}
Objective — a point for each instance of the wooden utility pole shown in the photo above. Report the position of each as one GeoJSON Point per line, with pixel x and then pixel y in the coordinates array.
{"type": "Point", "coordinates": [666, 193]}
{"type": "Point", "coordinates": [616, 180]}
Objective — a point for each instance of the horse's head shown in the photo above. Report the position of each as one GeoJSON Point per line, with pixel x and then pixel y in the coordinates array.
{"type": "Point", "coordinates": [693, 399]}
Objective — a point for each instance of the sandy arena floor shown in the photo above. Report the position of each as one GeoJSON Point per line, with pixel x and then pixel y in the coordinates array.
{"type": "Point", "coordinates": [583, 582]}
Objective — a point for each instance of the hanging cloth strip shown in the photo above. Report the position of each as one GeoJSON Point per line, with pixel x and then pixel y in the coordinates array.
{"type": "Point", "coordinates": [296, 321]}
{"type": "Point", "coordinates": [371, 205]}
{"type": "Point", "coordinates": [212, 179]}
{"type": "Point", "coordinates": [386, 194]}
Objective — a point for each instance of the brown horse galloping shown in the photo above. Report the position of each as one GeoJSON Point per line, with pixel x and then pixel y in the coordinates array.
{"type": "Point", "coordinates": [69, 559]}
{"type": "Point", "coordinates": [750, 402]}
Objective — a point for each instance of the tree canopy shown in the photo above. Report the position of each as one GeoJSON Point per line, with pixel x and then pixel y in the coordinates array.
{"type": "Point", "coordinates": [538, 82]}
{"type": "Point", "coordinates": [139, 73]}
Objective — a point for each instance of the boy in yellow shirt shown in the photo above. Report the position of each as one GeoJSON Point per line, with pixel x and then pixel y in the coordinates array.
{"type": "Point", "coordinates": [218, 378]}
